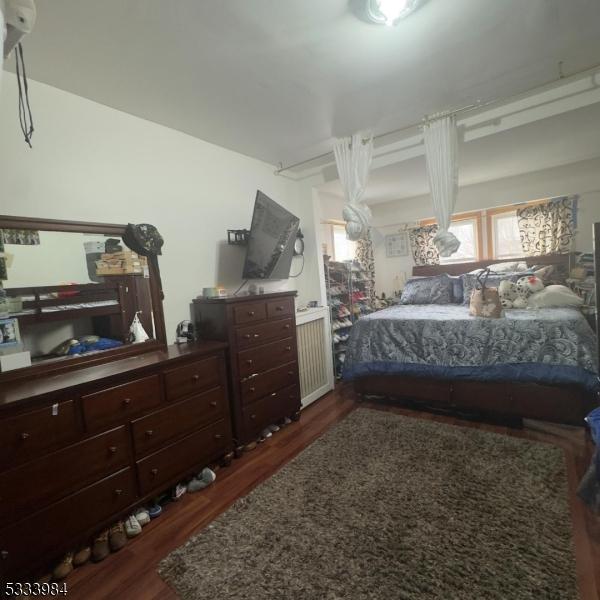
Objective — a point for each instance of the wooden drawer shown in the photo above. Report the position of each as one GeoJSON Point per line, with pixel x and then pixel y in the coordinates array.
{"type": "Point", "coordinates": [261, 358]}
{"type": "Point", "coordinates": [40, 482]}
{"type": "Point", "coordinates": [255, 335]}
{"type": "Point", "coordinates": [153, 431]}
{"type": "Point", "coordinates": [26, 436]}
{"type": "Point", "coordinates": [249, 312]}
{"type": "Point", "coordinates": [51, 530]}
{"type": "Point", "coordinates": [266, 411]}
{"type": "Point", "coordinates": [179, 458]}
{"type": "Point", "coordinates": [268, 382]}
{"type": "Point", "coordinates": [118, 404]}
{"type": "Point", "coordinates": [284, 307]}
{"type": "Point", "coordinates": [193, 378]}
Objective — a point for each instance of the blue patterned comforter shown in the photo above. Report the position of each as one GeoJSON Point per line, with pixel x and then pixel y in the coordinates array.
{"type": "Point", "coordinates": [550, 345]}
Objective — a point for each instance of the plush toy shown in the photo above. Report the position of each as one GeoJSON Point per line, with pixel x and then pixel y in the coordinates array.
{"type": "Point", "coordinates": [508, 293]}
{"type": "Point", "coordinates": [526, 286]}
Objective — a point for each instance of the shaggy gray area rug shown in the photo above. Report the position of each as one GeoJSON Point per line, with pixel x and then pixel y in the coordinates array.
{"type": "Point", "coordinates": [387, 507]}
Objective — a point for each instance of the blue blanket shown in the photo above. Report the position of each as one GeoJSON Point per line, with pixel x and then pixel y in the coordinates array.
{"type": "Point", "coordinates": [550, 345]}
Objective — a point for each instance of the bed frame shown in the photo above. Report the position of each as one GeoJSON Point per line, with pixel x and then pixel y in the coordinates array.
{"type": "Point", "coordinates": [559, 404]}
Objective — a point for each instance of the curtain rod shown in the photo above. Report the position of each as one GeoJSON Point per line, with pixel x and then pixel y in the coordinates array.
{"type": "Point", "coordinates": [470, 107]}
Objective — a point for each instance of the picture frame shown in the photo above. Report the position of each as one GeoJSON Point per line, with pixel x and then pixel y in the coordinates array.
{"type": "Point", "coordinates": [10, 336]}
{"type": "Point", "coordinates": [396, 244]}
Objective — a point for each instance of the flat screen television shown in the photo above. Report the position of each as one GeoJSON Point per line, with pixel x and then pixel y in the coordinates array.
{"type": "Point", "coordinates": [271, 242]}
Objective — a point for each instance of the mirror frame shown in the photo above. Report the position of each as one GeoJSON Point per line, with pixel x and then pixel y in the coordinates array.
{"type": "Point", "coordinates": [156, 295]}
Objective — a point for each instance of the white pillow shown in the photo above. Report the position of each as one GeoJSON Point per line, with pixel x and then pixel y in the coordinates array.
{"type": "Point", "coordinates": [554, 296]}
{"type": "Point", "coordinates": [503, 267]}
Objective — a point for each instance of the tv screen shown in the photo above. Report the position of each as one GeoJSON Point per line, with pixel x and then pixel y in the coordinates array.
{"type": "Point", "coordinates": [271, 244]}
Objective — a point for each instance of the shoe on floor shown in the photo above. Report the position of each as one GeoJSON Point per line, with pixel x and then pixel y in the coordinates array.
{"type": "Point", "coordinates": [204, 479]}
{"type": "Point", "coordinates": [266, 433]}
{"type": "Point", "coordinates": [155, 511]}
{"type": "Point", "coordinates": [82, 556]}
{"type": "Point", "coordinates": [63, 568]}
{"type": "Point", "coordinates": [274, 428]}
{"type": "Point", "coordinates": [178, 491]}
{"type": "Point", "coordinates": [100, 547]}
{"type": "Point", "coordinates": [117, 537]}
{"type": "Point", "coordinates": [132, 526]}
{"type": "Point", "coordinates": [142, 516]}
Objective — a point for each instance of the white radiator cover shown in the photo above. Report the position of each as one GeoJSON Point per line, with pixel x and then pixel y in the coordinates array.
{"type": "Point", "coordinates": [314, 354]}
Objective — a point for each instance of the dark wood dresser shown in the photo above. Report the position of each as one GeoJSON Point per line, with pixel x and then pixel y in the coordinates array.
{"type": "Point", "coordinates": [79, 450]}
{"type": "Point", "coordinates": [263, 356]}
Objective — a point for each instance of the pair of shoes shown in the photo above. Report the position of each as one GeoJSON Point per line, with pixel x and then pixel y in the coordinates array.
{"type": "Point", "coordinates": [109, 540]}
{"type": "Point", "coordinates": [64, 567]}
{"type": "Point", "coordinates": [204, 479]}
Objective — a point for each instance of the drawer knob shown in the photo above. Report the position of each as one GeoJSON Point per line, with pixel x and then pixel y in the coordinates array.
{"type": "Point", "coordinates": [118, 492]}
{"type": "Point", "coordinates": [247, 336]}
{"type": "Point", "coordinates": [4, 554]}
{"type": "Point", "coordinates": [256, 335]}
{"type": "Point", "coordinates": [279, 308]}
{"type": "Point", "coordinates": [249, 362]}
{"type": "Point", "coordinates": [112, 449]}
{"type": "Point", "coordinates": [250, 313]}
{"type": "Point", "coordinates": [286, 326]}
{"type": "Point", "coordinates": [252, 389]}
{"type": "Point", "coordinates": [196, 377]}
{"type": "Point", "coordinates": [154, 472]}
{"type": "Point", "coordinates": [288, 348]}
{"type": "Point", "coordinates": [218, 436]}
{"type": "Point", "coordinates": [126, 401]}
{"type": "Point", "coordinates": [149, 432]}
{"type": "Point", "coordinates": [213, 403]}
{"type": "Point", "coordinates": [24, 436]}
{"type": "Point", "coordinates": [253, 417]}
{"type": "Point", "coordinates": [274, 394]}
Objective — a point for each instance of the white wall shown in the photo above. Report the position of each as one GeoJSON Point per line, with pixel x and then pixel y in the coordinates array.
{"type": "Point", "coordinates": [581, 178]}
{"type": "Point", "coordinates": [92, 163]}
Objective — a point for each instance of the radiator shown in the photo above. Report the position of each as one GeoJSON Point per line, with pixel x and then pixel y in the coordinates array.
{"type": "Point", "coordinates": [314, 355]}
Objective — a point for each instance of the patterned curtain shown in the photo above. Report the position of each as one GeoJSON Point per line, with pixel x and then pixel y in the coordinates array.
{"type": "Point", "coordinates": [364, 255]}
{"type": "Point", "coordinates": [548, 228]}
{"type": "Point", "coordinates": [421, 244]}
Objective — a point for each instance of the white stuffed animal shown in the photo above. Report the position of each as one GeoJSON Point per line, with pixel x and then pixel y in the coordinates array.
{"type": "Point", "coordinates": [508, 293]}
{"type": "Point", "coordinates": [526, 286]}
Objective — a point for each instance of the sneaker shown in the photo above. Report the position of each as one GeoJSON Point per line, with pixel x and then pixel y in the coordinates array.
{"type": "Point", "coordinates": [204, 479]}
{"type": "Point", "coordinates": [142, 516]}
{"type": "Point", "coordinates": [100, 547]}
{"type": "Point", "coordinates": [178, 491]}
{"type": "Point", "coordinates": [132, 527]}
{"type": "Point", "coordinates": [117, 537]}
{"type": "Point", "coordinates": [64, 567]}
{"type": "Point", "coordinates": [274, 428]}
{"type": "Point", "coordinates": [82, 556]}
{"type": "Point", "coordinates": [266, 432]}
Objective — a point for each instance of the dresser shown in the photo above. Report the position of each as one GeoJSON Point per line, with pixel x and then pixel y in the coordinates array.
{"type": "Point", "coordinates": [81, 449]}
{"type": "Point", "coordinates": [263, 357]}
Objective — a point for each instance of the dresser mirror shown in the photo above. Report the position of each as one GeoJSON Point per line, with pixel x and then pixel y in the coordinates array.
{"type": "Point", "coordinates": [73, 293]}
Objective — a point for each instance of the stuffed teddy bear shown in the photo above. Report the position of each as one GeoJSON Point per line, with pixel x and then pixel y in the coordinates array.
{"type": "Point", "coordinates": [508, 293]}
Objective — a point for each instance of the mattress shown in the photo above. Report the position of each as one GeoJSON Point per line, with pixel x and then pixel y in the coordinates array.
{"type": "Point", "coordinates": [549, 345]}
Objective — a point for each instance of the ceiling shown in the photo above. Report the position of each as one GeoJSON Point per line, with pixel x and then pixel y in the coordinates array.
{"type": "Point", "coordinates": [567, 138]}
{"type": "Point", "coordinates": [277, 80]}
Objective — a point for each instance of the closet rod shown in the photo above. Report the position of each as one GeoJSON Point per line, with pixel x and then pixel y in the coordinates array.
{"type": "Point", "coordinates": [470, 107]}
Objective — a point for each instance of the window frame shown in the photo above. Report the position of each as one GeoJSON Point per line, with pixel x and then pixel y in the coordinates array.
{"type": "Point", "coordinates": [491, 213]}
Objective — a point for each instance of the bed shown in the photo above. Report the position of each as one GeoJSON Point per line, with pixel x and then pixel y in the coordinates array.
{"type": "Point", "coordinates": [539, 364]}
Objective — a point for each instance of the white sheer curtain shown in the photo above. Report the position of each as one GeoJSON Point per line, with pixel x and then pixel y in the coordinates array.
{"type": "Point", "coordinates": [441, 154]}
{"type": "Point", "coordinates": [353, 159]}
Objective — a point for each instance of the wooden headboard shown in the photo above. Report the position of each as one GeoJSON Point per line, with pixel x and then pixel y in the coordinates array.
{"type": "Point", "coordinates": [460, 268]}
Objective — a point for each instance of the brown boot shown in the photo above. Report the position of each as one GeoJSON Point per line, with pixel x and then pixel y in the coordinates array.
{"type": "Point", "coordinates": [64, 567]}
{"type": "Point", "coordinates": [117, 537]}
{"type": "Point", "coordinates": [100, 547]}
{"type": "Point", "coordinates": [82, 556]}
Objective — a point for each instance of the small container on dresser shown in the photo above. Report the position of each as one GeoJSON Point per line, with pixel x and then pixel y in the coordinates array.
{"type": "Point", "coordinates": [263, 356]}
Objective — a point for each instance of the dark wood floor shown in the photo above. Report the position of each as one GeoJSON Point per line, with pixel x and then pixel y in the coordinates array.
{"type": "Point", "coordinates": [131, 573]}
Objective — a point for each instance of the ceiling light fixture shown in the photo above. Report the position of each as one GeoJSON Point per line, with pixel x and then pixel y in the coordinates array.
{"type": "Point", "coordinates": [390, 12]}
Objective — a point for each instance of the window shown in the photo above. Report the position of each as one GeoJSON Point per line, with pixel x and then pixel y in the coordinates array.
{"type": "Point", "coordinates": [467, 228]}
{"type": "Point", "coordinates": [505, 237]}
{"type": "Point", "coordinates": [343, 248]}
